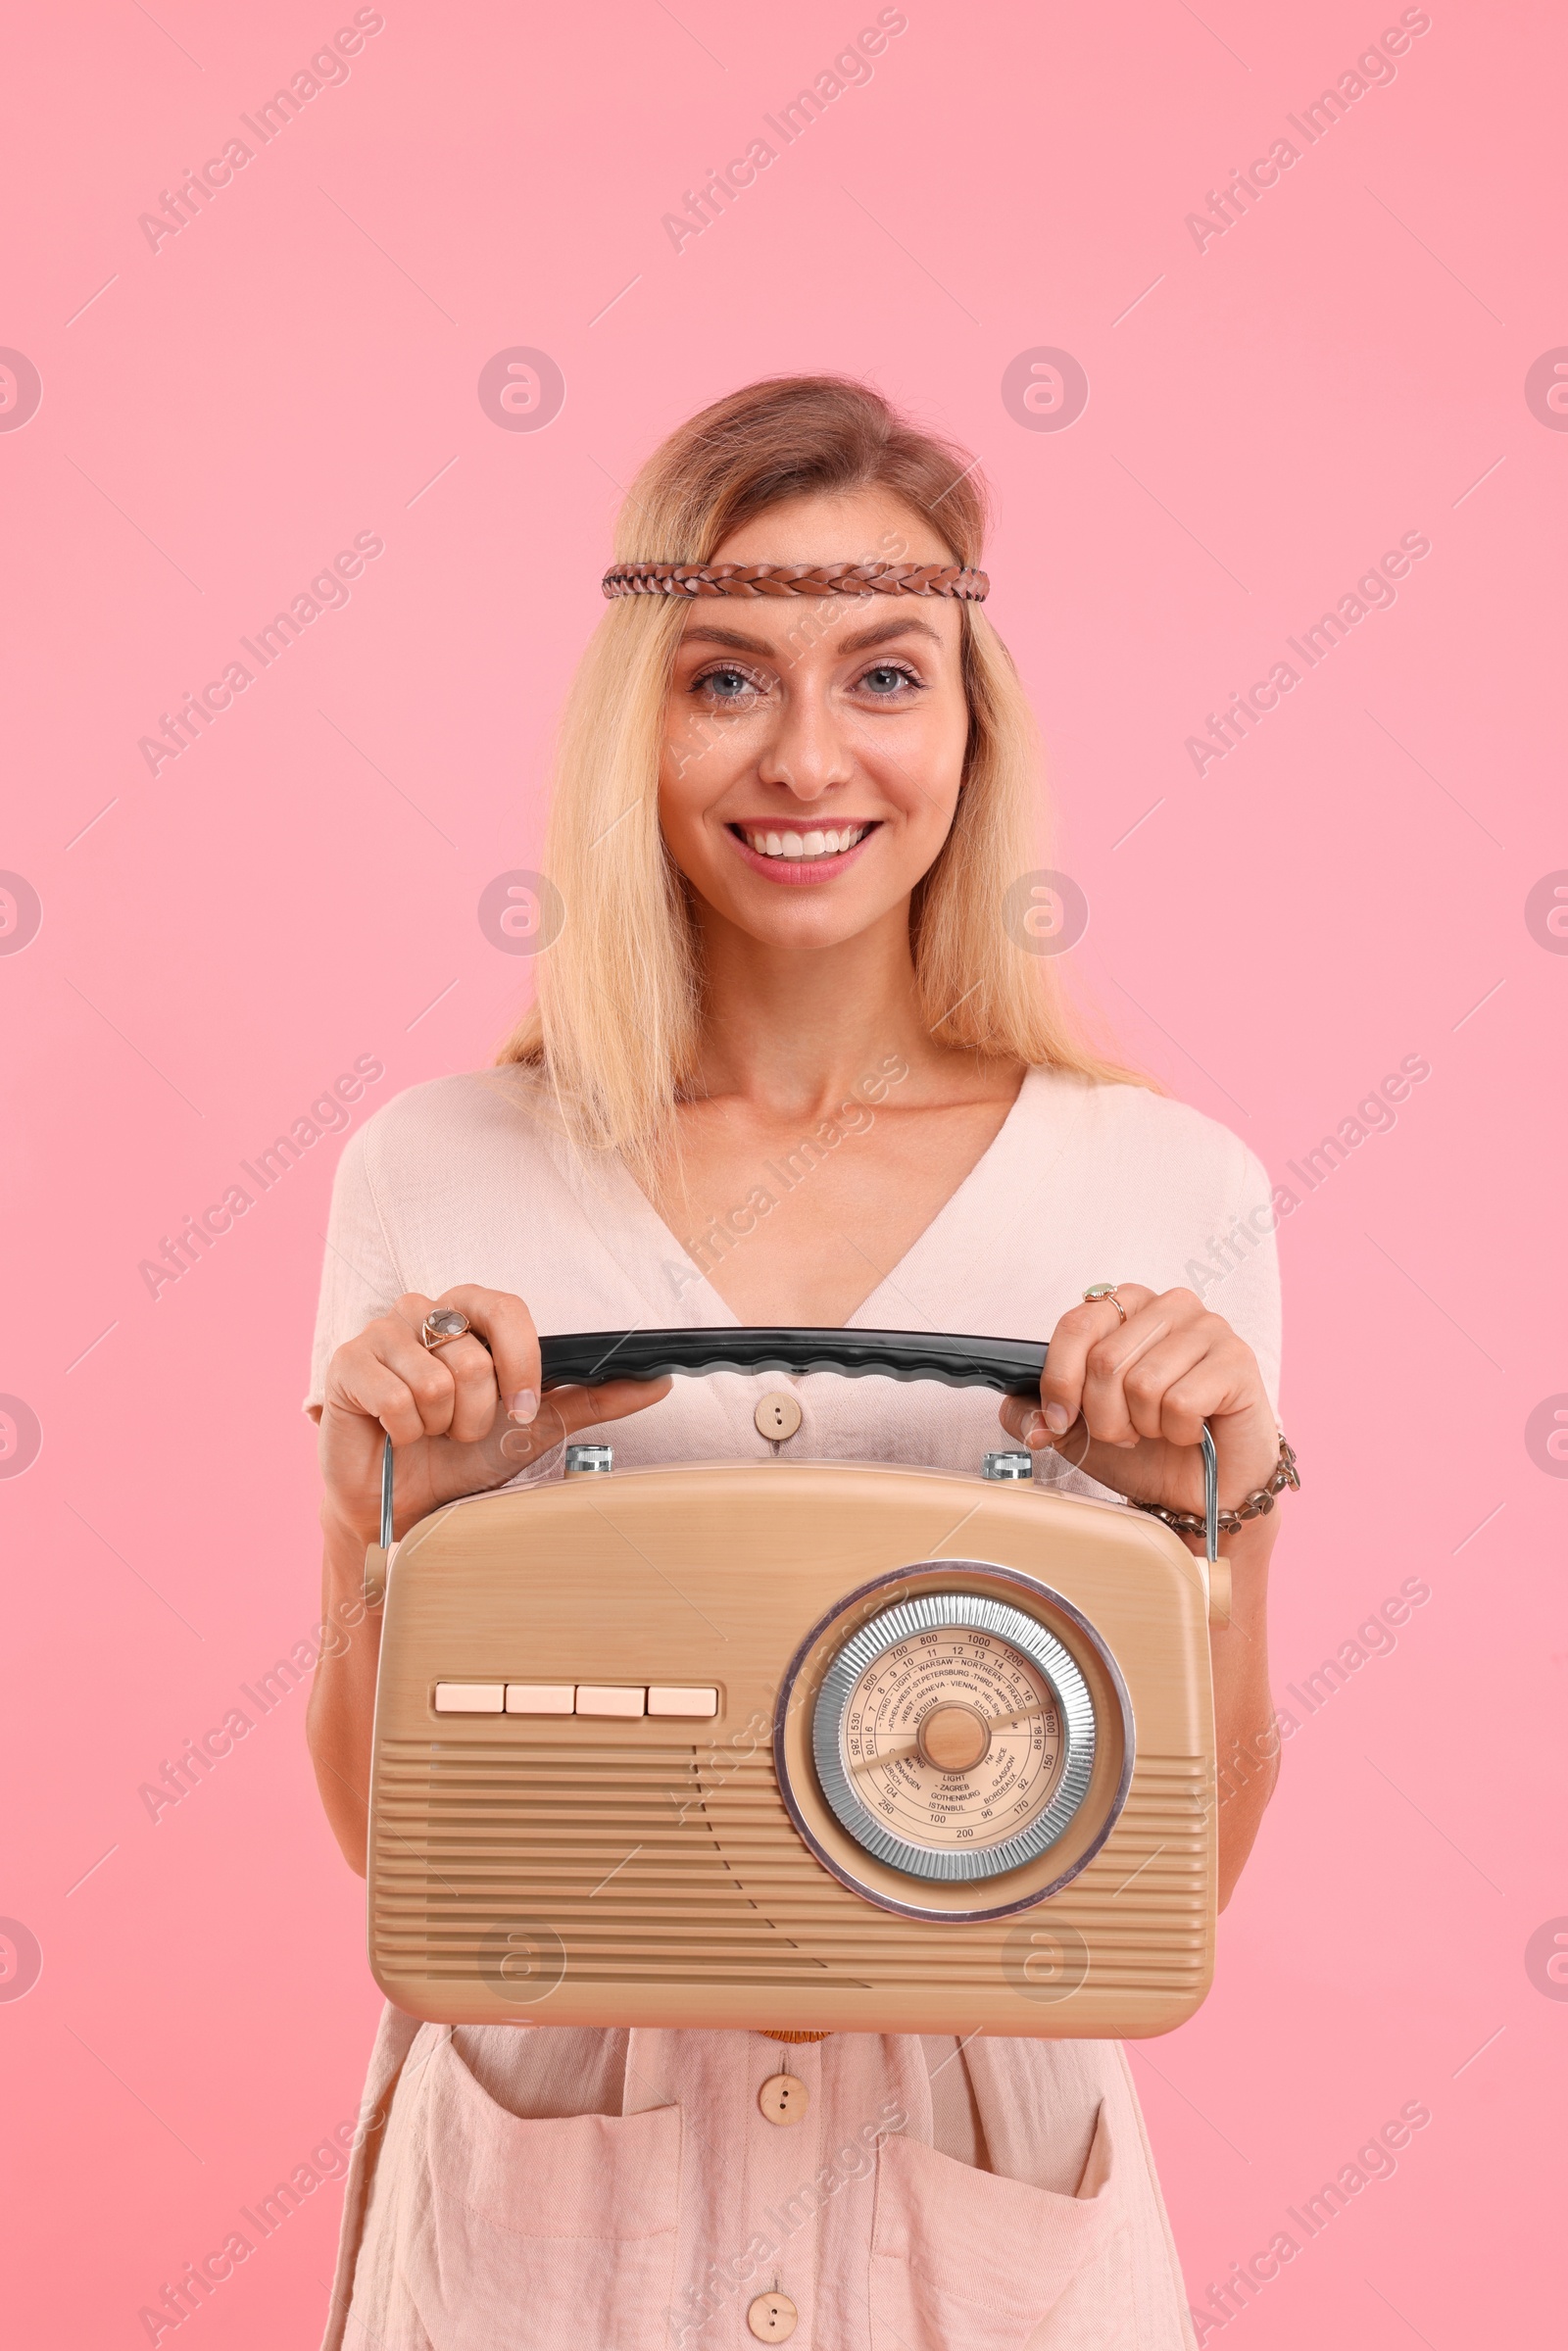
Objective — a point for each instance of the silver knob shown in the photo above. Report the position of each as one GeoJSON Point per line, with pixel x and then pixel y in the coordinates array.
{"type": "Point", "coordinates": [589, 1461]}
{"type": "Point", "coordinates": [1007, 1466]}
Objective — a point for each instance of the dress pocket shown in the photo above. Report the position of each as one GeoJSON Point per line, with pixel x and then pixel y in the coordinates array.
{"type": "Point", "coordinates": [549, 2233]}
{"type": "Point", "coordinates": [965, 2261]}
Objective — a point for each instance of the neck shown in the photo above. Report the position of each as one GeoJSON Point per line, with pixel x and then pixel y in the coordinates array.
{"type": "Point", "coordinates": [793, 1029]}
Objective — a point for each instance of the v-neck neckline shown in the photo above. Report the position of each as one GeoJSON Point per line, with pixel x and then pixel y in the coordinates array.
{"type": "Point", "coordinates": [649, 1239]}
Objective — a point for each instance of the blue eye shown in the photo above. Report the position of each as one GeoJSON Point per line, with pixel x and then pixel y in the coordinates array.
{"type": "Point", "coordinates": [725, 685]}
{"type": "Point", "coordinates": [886, 678]}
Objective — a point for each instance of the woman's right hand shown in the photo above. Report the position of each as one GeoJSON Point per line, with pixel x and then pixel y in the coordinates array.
{"type": "Point", "coordinates": [461, 1418]}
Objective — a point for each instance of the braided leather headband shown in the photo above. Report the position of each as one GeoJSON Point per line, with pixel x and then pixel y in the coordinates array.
{"type": "Point", "coordinates": [798, 579]}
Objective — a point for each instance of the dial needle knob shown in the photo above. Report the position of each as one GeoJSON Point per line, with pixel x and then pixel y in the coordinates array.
{"type": "Point", "coordinates": [912, 1754]}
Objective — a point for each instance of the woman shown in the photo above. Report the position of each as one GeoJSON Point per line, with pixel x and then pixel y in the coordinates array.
{"type": "Point", "coordinates": [790, 1063]}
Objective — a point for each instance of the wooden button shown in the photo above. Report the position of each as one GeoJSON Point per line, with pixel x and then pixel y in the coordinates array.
{"type": "Point", "coordinates": [772, 2318]}
{"type": "Point", "coordinates": [777, 1417]}
{"type": "Point", "coordinates": [783, 2099]}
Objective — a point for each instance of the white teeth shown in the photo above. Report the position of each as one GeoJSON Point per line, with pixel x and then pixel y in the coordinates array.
{"type": "Point", "coordinates": [805, 845]}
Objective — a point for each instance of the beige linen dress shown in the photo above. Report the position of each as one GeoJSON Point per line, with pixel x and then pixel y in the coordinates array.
{"type": "Point", "coordinates": [545, 2187]}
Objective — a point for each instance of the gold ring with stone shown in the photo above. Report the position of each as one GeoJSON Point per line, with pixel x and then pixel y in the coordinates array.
{"type": "Point", "coordinates": [441, 1325]}
{"type": "Point", "coordinates": [1108, 1291]}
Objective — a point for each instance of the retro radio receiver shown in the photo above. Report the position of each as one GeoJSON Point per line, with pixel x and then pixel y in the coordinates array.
{"type": "Point", "coordinates": [796, 1746]}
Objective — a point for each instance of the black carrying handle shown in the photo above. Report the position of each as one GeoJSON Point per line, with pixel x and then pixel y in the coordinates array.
{"type": "Point", "coordinates": [586, 1358]}
{"type": "Point", "coordinates": [1012, 1366]}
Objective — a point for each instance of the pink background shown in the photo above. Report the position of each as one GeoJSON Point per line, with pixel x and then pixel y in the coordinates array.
{"type": "Point", "coordinates": [300, 363]}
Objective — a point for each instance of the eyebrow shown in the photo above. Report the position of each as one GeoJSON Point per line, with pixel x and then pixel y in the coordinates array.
{"type": "Point", "coordinates": [879, 633]}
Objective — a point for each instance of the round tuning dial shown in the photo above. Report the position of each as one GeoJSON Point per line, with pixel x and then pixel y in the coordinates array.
{"type": "Point", "coordinates": [954, 1737]}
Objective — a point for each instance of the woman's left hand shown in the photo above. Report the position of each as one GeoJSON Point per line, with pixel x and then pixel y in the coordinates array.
{"type": "Point", "coordinates": [1127, 1402]}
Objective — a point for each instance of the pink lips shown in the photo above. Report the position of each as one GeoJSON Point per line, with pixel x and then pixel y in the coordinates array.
{"type": "Point", "coordinates": [801, 869]}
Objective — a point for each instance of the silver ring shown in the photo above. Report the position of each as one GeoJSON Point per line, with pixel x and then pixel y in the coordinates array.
{"type": "Point", "coordinates": [1108, 1291]}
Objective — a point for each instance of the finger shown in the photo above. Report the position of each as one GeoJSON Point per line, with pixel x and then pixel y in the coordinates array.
{"type": "Point", "coordinates": [1189, 1403]}
{"type": "Point", "coordinates": [468, 1363]}
{"type": "Point", "coordinates": [1135, 1403]}
{"type": "Point", "coordinates": [565, 1411]}
{"type": "Point", "coordinates": [385, 1377]}
{"type": "Point", "coordinates": [392, 1342]}
{"type": "Point", "coordinates": [611, 1399]}
{"type": "Point", "coordinates": [1061, 1383]}
{"type": "Point", "coordinates": [475, 1393]}
{"type": "Point", "coordinates": [1021, 1417]}
{"type": "Point", "coordinates": [1114, 1358]}
{"type": "Point", "coordinates": [364, 1409]}
{"type": "Point", "coordinates": [509, 1329]}
{"type": "Point", "coordinates": [1222, 1384]}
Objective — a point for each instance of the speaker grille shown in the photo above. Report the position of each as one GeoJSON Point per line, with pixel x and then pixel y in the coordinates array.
{"type": "Point", "coordinates": [665, 1865]}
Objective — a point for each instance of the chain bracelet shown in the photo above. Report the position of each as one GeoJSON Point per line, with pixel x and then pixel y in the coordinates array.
{"type": "Point", "coordinates": [1231, 1522]}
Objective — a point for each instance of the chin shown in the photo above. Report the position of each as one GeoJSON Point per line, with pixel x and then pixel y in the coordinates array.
{"type": "Point", "coordinates": [796, 925]}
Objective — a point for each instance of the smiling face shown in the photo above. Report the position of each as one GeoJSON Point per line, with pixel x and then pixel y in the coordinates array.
{"type": "Point", "coordinates": [813, 746]}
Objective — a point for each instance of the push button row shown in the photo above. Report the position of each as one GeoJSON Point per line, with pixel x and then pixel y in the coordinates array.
{"type": "Point", "coordinates": [574, 1697]}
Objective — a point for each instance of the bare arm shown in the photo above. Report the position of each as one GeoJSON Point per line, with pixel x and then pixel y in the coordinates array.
{"type": "Point", "coordinates": [337, 1723]}
{"type": "Point", "coordinates": [462, 1419]}
{"type": "Point", "coordinates": [1127, 1402]}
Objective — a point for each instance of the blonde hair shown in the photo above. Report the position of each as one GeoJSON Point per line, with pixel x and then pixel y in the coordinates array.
{"type": "Point", "coordinates": [615, 1027]}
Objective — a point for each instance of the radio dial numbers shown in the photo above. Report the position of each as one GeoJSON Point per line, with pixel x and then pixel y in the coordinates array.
{"type": "Point", "coordinates": [952, 1737]}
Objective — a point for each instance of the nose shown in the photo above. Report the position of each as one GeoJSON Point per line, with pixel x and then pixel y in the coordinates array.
{"type": "Point", "coordinates": [808, 752]}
